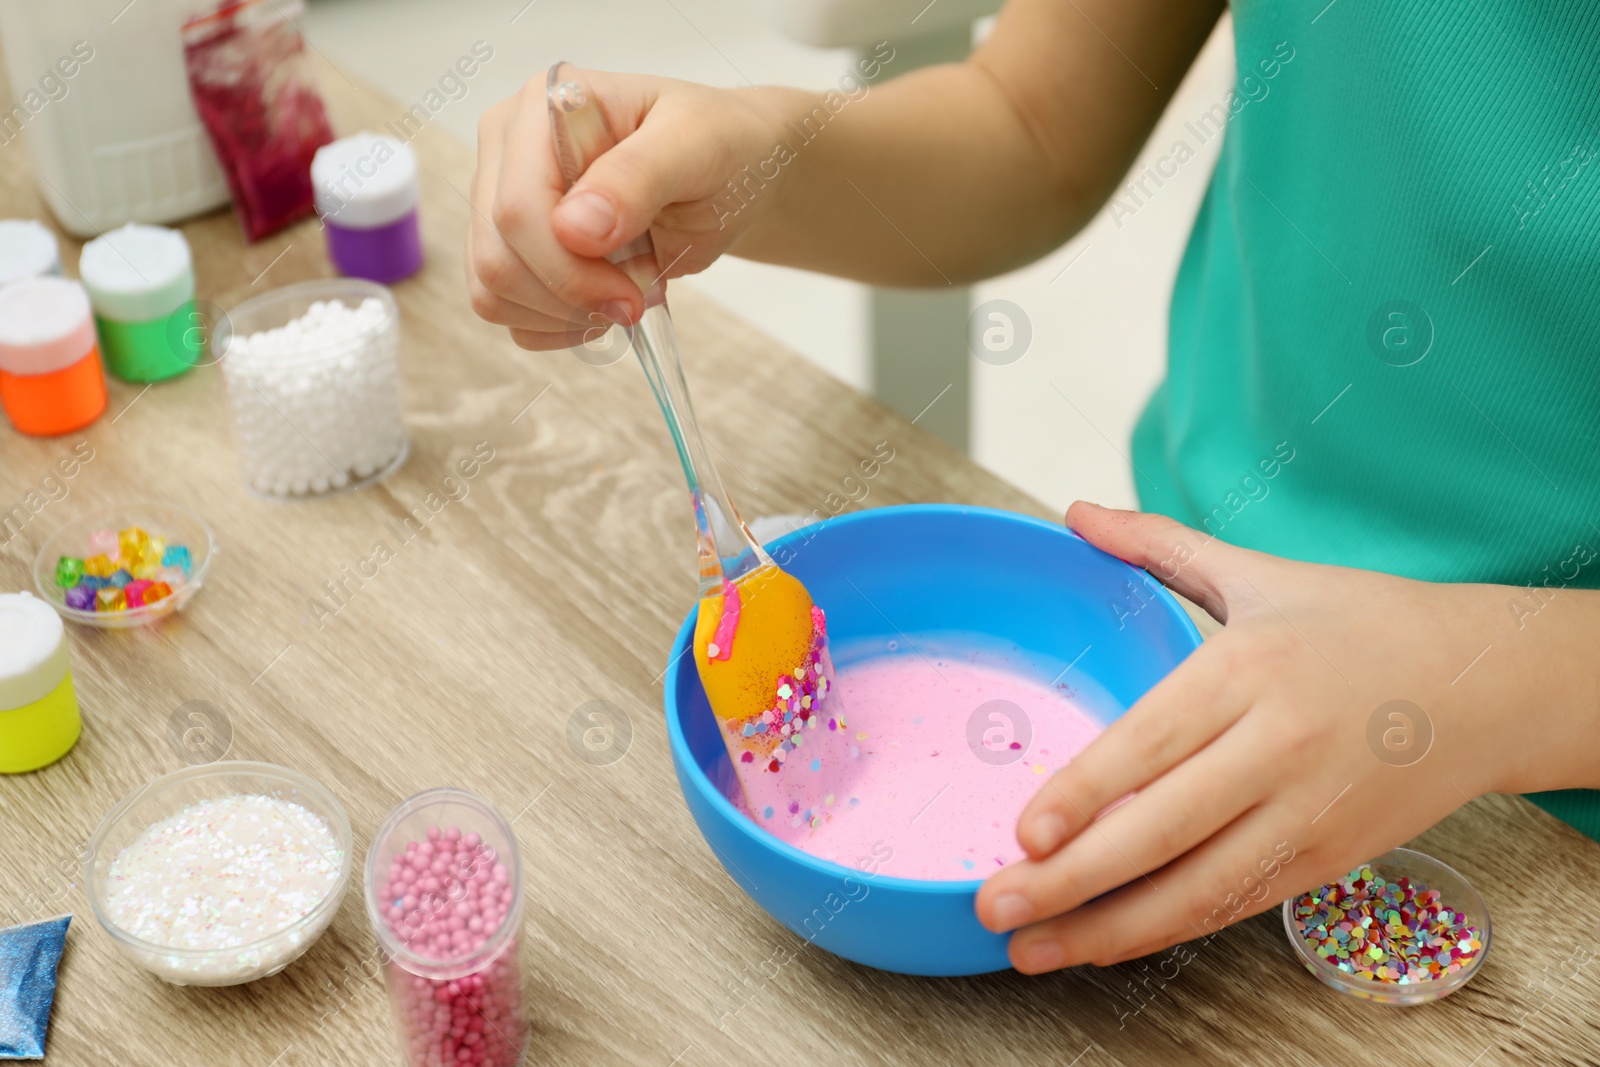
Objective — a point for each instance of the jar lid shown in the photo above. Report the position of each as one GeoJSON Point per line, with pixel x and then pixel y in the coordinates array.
{"type": "Point", "coordinates": [137, 273]}
{"type": "Point", "coordinates": [33, 650]}
{"type": "Point", "coordinates": [364, 181]}
{"type": "Point", "coordinates": [45, 325]}
{"type": "Point", "coordinates": [27, 250]}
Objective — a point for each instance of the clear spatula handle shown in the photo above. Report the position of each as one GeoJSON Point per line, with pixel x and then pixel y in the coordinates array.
{"type": "Point", "coordinates": [581, 134]}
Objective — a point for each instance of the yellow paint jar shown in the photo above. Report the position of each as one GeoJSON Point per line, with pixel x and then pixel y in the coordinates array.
{"type": "Point", "coordinates": [39, 720]}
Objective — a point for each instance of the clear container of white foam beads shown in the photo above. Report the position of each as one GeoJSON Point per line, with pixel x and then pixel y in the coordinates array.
{"type": "Point", "coordinates": [313, 371]}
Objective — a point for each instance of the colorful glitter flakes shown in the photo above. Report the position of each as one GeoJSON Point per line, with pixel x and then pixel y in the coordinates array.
{"type": "Point", "coordinates": [1399, 931]}
{"type": "Point", "coordinates": [226, 884]}
{"type": "Point", "coordinates": [798, 697]}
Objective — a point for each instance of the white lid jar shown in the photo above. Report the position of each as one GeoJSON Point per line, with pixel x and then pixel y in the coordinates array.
{"type": "Point", "coordinates": [367, 193]}
{"type": "Point", "coordinates": [39, 718]}
{"type": "Point", "coordinates": [50, 380]}
{"type": "Point", "coordinates": [141, 282]}
{"type": "Point", "coordinates": [28, 249]}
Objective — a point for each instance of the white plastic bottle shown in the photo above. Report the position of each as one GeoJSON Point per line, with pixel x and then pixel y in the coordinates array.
{"type": "Point", "coordinates": [100, 96]}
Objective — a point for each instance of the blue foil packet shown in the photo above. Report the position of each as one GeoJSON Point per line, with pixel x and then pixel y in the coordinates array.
{"type": "Point", "coordinates": [29, 956]}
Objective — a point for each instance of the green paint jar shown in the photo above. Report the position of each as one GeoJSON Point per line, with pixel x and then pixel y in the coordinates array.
{"type": "Point", "coordinates": [141, 282]}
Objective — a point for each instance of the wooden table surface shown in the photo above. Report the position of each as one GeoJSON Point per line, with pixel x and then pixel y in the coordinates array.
{"type": "Point", "coordinates": [560, 578]}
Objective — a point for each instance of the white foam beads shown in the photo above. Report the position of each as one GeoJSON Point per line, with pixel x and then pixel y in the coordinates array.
{"type": "Point", "coordinates": [317, 400]}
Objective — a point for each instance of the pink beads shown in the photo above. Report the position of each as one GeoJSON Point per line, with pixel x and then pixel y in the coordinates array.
{"type": "Point", "coordinates": [446, 898]}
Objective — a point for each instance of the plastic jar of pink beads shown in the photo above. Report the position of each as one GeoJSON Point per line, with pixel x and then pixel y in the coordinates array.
{"type": "Point", "coordinates": [444, 894]}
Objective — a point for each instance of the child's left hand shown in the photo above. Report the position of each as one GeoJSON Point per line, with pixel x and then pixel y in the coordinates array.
{"type": "Point", "coordinates": [1269, 739]}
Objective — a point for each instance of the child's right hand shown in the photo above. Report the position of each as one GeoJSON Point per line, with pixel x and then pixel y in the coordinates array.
{"type": "Point", "coordinates": [535, 257]}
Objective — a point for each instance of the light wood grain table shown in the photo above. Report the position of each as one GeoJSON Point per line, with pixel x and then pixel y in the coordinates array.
{"type": "Point", "coordinates": [560, 578]}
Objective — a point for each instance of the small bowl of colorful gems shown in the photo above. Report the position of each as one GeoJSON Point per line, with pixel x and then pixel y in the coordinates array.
{"type": "Point", "coordinates": [127, 567]}
{"type": "Point", "coordinates": [1403, 929]}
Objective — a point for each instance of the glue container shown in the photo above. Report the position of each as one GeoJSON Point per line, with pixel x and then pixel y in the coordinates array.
{"type": "Point", "coordinates": [102, 102]}
{"type": "Point", "coordinates": [366, 187]}
{"type": "Point", "coordinates": [141, 282]}
{"type": "Point", "coordinates": [50, 380]}
{"type": "Point", "coordinates": [444, 894]}
{"type": "Point", "coordinates": [27, 250]}
{"type": "Point", "coordinates": [39, 720]}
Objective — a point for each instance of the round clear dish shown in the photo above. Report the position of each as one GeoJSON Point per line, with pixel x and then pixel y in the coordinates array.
{"type": "Point", "coordinates": [167, 795]}
{"type": "Point", "coordinates": [1455, 892]}
{"type": "Point", "coordinates": [179, 526]}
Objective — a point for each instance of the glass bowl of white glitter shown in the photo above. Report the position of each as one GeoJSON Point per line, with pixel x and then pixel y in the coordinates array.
{"type": "Point", "coordinates": [313, 371]}
{"type": "Point", "coordinates": [219, 874]}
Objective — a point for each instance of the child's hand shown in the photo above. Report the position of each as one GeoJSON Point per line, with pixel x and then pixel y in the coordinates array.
{"type": "Point", "coordinates": [1265, 741]}
{"type": "Point", "coordinates": [535, 257]}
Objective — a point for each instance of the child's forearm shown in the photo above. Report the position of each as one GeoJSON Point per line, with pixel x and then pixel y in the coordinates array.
{"type": "Point", "coordinates": [932, 181]}
{"type": "Point", "coordinates": [963, 171]}
{"type": "Point", "coordinates": [1549, 638]}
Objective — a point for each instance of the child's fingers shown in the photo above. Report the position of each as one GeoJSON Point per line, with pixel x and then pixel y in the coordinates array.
{"type": "Point", "coordinates": [1177, 718]}
{"type": "Point", "coordinates": [518, 257]}
{"type": "Point", "coordinates": [1207, 889]}
{"type": "Point", "coordinates": [1191, 564]}
{"type": "Point", "coordinates": [536, 341]}
{"type": "Point", "coordinates": [1167, 818]}
{"type": "Point", "coordinates": [495, 265]}
{"type": "Point", "coordinates": [502, 312]}
{"type": "Point", "coordinates": [673, 156]}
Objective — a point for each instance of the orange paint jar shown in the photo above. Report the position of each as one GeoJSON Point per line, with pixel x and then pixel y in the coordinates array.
{"type": "Point", "coordinates": [50, 377]}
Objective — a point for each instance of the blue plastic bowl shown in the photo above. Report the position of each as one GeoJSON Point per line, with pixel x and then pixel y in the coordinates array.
{"type": "Point", "coordinates": [930, 568]}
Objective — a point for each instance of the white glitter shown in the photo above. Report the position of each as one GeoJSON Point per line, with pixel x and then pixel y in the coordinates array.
{"type": "Point", "coordinates": [223, 874]}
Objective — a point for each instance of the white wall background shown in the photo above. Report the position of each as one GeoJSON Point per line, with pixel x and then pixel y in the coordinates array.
{"type": "Point", "coordinates": [1097, 306]}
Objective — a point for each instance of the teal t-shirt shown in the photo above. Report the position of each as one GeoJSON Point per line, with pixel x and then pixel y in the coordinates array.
{"type": "Point", "coordinates": [1385, 334]}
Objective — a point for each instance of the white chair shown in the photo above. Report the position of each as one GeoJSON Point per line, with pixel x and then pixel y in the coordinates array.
{"type": "Point", "coordinates": [918, 342]}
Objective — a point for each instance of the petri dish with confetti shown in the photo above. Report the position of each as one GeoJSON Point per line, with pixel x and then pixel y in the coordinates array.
{"type": "Point", "coordinates": [1403, 929]}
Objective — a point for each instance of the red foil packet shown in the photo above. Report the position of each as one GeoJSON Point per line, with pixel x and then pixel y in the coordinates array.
{"type": "Point", "coordinates": [250, 83]}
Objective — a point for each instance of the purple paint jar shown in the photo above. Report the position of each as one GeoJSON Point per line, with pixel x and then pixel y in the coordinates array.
{"type": "Point", "coordinates": [366, 188]}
